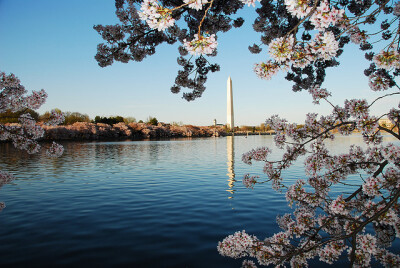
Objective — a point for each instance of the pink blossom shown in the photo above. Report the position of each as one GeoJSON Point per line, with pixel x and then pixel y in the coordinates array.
{"type": "Point", "coordinates": [249, 181]}
{"type": "Point", "coordinates": [338, 206]}
{"type": "Point", "coordinates": [55, 118]}
{"type": "Point", "coordinates": [236, 245]}
{"type": "Point", "coordinates": [372, 186]}
{"type": "Point", "coordinates": [201, 45]}
{"type": "Point", "coordinates": [391, 153]}
{"type": "Point", "coordinates": [250, 2]}
{"type": "Point", "coordinates": [266, 70]}
{"type": "Point", "coordinates": [55, 150]}
{"type": "Point", "coordinates": [324, 45]}
{"type": "Point", "coordinates": [248, 264]}
{"type": "Point", "coordinates": [318, 93]}
{"type": "Point", "coordinates": [331, 251]}
{"type": "Point", "coordinates": [196, 4]}
{"type": "Point", "coordinates": [357, 36]}
{"type": "Point", "coordinates": [258, 154]}
{"type": "Point", "coordinates": [297, 8]}
{"type": "Point", "coordinates": [326, 16]}
{"type": "Point", "coordinates": [280, 49]}
{"type": "Point", "coordinates": [366, 247]}
{"type": "Point", "coordinates": [5, 178]}
{"type": "Point", "coordinates": [378, 82]}
{"type": "Point", "coordinates": [156, 16]}
{"type": "Point", "coordinates": [388, 59]}
{"type": "Point", "coordinates": [357, 108]}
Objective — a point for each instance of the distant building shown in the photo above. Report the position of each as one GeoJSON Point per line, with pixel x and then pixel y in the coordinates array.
{"type": "Point", "coordinates": [385, 122]}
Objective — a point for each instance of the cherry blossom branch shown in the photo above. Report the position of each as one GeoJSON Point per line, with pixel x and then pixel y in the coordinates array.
{"type": "Point", "coordinates": [389, 131]}
{"type": "Point", "coordinates": [377, 172]}
{"type": "Point", "coordinates": [205, 14]}
{"type": "Point", "coordinates": [381, 97]}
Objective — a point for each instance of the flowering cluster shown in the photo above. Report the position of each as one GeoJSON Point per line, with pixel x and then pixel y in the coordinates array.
{"type": "Point", "coordinates": [236, 245]}
{"type": "Point", "coordinates": [55, 118]}
{"type": "Point", "coordinates": [299, 9]}
{"type": "Point", "coordinates": [372, 186]}
{"type": "Point", "coordinates": [388, 59]}
{"type": "Point", "coordinates": [280, 49]}
{"type": "Point", "coordinates": [366, 248]}
{"type": "Point", "coordinates": [332, 251]}
{"type": "Point", "coordinates": [379, 82]}
{"type": "Point", "coordinates": [338, 206]}
{"type": "Point", "coordinates": [265, 70]}
{"type": "Point", "coordinates": [55, 150]}
{"type": "Point", "coordinates": [325, 45]}
{"type": "Point", "coordinates": [391, 153]}
{"type": "Point", "coordinates": [318, 94]}
{"type": "Point", "coordinates": [249, 181]}
{"type": "Point", "coordinates": [326, 16]}
{"type": "Point", "coordinates": [156, 16]}
{"type": "Point", "coordinates": [249, 2]}
{"type": "Point", "coordinates": [201, 45]}
{"type": "Point", "coordinates": [357, 36]}
{"type": "Point", "coordinates": [248, 264]}
{"type": "Point", "coordinates": [357, 108]}
{"type": "Point", "coordinates": [341, 217]}
{"type": "Point", "coordinates": [259, 154]}
{"type": "Point", "coordinates": [25, 134]}
{"type": "Point", "coordinates": [195, 4]}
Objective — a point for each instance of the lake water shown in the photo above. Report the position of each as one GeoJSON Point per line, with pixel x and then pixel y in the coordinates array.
{"type": "Point", "coordinates": [136, 203]}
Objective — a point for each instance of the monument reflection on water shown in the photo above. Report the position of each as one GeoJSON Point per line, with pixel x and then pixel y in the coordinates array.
{"type": "Point", "coordinates": [230, 152]}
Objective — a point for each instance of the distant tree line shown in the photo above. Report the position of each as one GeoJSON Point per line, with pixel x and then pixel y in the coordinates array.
{"type": "Point", "coordinates": [71, 118]}
{"type": "Point", "coordinates": [12, 117]}
{"type": "Point", "coordinates": [108, 120]}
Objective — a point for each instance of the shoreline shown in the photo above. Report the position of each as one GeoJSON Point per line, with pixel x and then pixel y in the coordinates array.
{"type": "Point", "coordinates": [82, 131]}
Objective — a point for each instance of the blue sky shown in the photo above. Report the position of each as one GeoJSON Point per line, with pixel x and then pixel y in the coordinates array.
{"type": "Point", "coordinates": [51, 45]}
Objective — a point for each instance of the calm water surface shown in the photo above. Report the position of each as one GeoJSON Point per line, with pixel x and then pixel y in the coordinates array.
{"type": "Point", "coordinates": [136, 204]}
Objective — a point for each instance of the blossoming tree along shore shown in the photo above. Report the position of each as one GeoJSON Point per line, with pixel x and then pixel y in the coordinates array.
{"type": "Point", "coordinates": [14, 98]}
{"type": "Point", "coordinates": [303, 39]}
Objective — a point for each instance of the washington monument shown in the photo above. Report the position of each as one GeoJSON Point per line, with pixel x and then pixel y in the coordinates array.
{"type": "Point", "coordinates": [229, 111]}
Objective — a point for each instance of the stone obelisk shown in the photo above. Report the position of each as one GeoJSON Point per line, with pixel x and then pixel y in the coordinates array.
{"type": "Point", "coordinates": [229, 111]}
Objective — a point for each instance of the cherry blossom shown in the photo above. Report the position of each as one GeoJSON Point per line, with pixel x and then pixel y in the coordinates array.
{"type": "Point", "coordinates": [297, 8]}
{"type": "Point", "coordinates": [24, 136]}
{"type": "Point", "coordinates": [55, 150]}
{"type": "Point", "coordinates": [326, 16]}
{"type": "Point", "coordinates": [266, 70]}
{"type": "Point", "coordinates": [301, 57]}
{"type": "Point", "coordinates": [338, 206]}
{"type": "Point", "coordinates": [357, 36]}
{"type": "Point", "coordinates": [388, 59]}
{"type": "Point", "coordinates": [250, 2]}
{"type": "Point", "coordinates": [201, 45]}
{"type": "Point", "coordinates": [318, 94]}
{"type": "Point", "coordinates": [248, 264]}
{"type": "Point", "coordinates": [325, 46]}
{"type": "Point", "coordinates": [357, 108]}
{"type": "Point", "coordinates": [236, 245]}
{"type": "Point", "coordinates": [156, 16]}
{"type": "Point", "coordinates": [378, 82]}
{"type": "Point", "coordinates": [195, 4]}
{"type": "Point", "coordinates": [5, 178]}
{"type": "Point", "coordinates": [372, 186]}
{"type": "Point", "coordinates": [281, 48]}
{"type": "Point", "coordinates": [249, 181]}
{"type": "Point", "coordinates": [332, 251]}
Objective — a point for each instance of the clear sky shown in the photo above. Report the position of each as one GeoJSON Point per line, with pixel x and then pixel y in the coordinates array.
{"type": "Point", "coordinates": [51, 44]}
